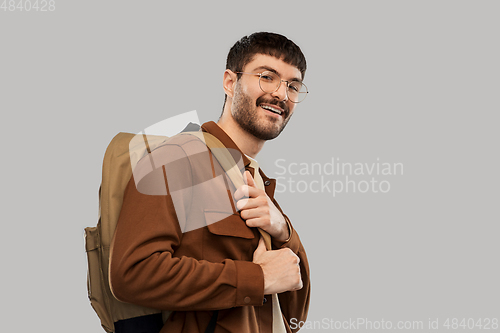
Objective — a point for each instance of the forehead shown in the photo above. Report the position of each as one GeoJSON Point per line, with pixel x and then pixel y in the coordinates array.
{"type": "Point", "coordinates": [260, 62]}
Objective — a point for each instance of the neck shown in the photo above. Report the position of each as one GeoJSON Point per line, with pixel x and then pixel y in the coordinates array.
{"type": "Point", "coordinates": [246, 142]}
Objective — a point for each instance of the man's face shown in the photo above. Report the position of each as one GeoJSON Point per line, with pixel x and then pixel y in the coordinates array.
{"type": "Point", "coordinates": [250, 105]}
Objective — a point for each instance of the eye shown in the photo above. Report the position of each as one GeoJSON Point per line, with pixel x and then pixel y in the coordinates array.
{"type": "Point", "coordinates": [295, 87]}
{"type": "Point", "coordinates": [267, 77]}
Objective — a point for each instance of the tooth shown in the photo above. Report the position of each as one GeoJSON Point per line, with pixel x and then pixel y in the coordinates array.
{"type": "Point", "coordinates": [270, 108]}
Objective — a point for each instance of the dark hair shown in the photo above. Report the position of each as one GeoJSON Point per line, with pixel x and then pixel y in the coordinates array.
{"type": "Point", "coordinates": [269, 43]}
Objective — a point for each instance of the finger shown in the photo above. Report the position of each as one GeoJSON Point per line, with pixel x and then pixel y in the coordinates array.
{"type": "Point", "coordinates": [261, 248]}
{"type": "Point", "coordinates": [248, 203]}
{"type": "Point", "coordinates": [249, 179]}
{"type": "Point", "coordinates": [245, 191]}
{"type": "Point", "coordinates": [256, 222]}
{"type": "Point", "coordinates": [253, 213]}
{"type": "Point", "coordinates": [241, 192]}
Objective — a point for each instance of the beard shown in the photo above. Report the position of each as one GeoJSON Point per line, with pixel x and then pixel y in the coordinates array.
{"type": "Point", "coordinates": [246, 114]}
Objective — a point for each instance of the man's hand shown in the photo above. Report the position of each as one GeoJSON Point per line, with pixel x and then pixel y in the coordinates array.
{"type": "Point", "coordinates": [259, 211]}
{"type": "Point", "coordinates": [281, 269]}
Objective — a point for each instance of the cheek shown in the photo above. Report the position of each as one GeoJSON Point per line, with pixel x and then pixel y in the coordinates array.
{"type": "Point", "coordinates": [254, 92]}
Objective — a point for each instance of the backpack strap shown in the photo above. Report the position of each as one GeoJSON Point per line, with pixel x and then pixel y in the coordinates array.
{"type": "Point", "coordinates": [222, 155]}
{"type": "Point", "coordinates": [213, 321]}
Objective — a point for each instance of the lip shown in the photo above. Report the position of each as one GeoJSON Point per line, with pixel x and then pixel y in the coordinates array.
{"type": "Point", "coordinates": [275, 107]}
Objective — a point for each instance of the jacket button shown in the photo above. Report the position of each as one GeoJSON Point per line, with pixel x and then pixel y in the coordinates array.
{"type": "Point", "coordinates": [267, 183]}
{"type": "Point", "coordinates": [247, 300]}
{"type": "Point", "coordinates": [265, 300]}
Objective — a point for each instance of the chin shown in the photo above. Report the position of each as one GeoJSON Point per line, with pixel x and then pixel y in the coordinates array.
{"type": "Point", "coordinates": [266, 134]}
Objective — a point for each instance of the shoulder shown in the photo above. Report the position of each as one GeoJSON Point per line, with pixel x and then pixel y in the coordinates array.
{"type": "Point", "coordinates": [175, 155]}
{"type": "Point", "coordinates": [174, 149]}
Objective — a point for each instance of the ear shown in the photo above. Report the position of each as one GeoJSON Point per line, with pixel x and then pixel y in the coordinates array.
{"type": "Point", "coordinates": [228, 82]}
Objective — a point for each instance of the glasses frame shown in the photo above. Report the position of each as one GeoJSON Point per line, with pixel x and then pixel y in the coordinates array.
{"type": "Point", "coordinates": [279, 85]}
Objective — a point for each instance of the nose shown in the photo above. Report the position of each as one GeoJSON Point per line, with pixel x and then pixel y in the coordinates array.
{"type": "Point", "coordinates": [281, 93]}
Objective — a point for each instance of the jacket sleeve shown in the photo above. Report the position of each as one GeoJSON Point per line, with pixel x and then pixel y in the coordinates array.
{"type": "Point", "coordinates": [144, 269]}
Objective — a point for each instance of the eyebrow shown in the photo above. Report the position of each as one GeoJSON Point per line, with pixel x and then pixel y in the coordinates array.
{"type": "Point", "coordinates": [270, 69]}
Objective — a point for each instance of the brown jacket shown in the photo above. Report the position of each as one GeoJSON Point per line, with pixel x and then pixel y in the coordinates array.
{"type": "Point", "coordinates": [180, 245]}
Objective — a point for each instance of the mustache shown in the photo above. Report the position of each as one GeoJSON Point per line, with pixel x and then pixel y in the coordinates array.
{"type": "Point", "coordinates": [281, 104]}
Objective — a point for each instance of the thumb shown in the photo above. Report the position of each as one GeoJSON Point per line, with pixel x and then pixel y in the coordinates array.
{"type": "Point", "coordinates": [261, 248]}
{"type": "Point", "coordinates": [249, 179]}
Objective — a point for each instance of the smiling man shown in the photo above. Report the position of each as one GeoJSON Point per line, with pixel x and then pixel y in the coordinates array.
{"type": "Point", "coordinates": [245, 270]}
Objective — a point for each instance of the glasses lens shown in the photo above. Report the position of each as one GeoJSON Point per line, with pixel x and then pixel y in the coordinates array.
{"type": "Point", "coordinates": [297, 91]}
{"type": "Point", "coordinates": [269, 82]}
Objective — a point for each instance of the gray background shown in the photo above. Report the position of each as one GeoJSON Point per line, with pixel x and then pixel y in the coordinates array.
{"type": "Point", "coordinates": [412, 82]}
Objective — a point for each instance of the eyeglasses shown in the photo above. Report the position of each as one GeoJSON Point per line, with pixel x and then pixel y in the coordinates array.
{"type": "Point", "coordinates": [270, 82]}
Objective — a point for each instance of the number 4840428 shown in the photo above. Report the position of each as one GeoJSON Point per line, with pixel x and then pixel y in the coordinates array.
{"type": "Point", "coordinates": [28, 5]}
{"type": "Point", "coordinates": [471, 323]}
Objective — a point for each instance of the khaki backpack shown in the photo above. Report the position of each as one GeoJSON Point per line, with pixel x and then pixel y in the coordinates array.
{"type": "Point", "coordinates": [116, 173]}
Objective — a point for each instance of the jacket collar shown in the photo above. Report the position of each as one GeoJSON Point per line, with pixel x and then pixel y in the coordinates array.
{"type": "Point", "coordinates": [214, 129]}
